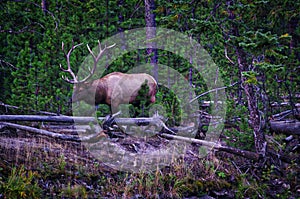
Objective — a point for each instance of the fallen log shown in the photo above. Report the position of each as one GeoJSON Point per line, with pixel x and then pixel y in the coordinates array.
{"type": "Point", "coordinates": [155, 120]}
{"type": "Point", "coordinates": [72, 119]}
{"type": "Point", "coordinates": [216, 146]}
{"type": "Point", "coordinates": [285, 127]}
{"type": "Point", "coordinates": [43, 118]}
{"type": "Point", "coordinates": [71, 129]}
{"type": "Point", "coordinates": [283, 104]}
{"type": "Point", "coordinates": [74, 138]}
{"type": "Point", "coordinates": [41, 131]}
{"type": "Point", "coordinates": [282, 115]}
{"type": "Point", "coordinates": [7, 106]}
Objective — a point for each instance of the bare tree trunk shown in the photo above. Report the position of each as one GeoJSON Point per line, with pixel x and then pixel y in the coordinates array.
{"type": "Point", "coordinates": [44, 5]}
{"type": "Point", "coordinates": [190, 79]}
{"type": "Point", "coordinates": [250, 92]}
{"type": "Point", "coordinates": [120, 29]}
{"type": "Point", "coordinates": [255, 121]}
{"type": "Point", "coordinates": [151, 33]}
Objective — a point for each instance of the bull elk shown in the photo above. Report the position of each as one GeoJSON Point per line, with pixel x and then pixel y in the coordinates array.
{"type": "Point", "coordinates": [113, 89]}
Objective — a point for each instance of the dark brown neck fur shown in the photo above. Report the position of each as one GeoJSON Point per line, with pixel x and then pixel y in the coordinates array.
{"type": "Point", "coordinates": [101, 92]}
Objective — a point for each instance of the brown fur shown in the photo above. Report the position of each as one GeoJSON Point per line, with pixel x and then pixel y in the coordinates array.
{"type": "Point", "coordinates": [114, 89]}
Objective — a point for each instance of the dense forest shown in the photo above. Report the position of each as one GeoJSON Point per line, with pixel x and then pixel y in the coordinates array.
{"type": "Point", "coordinates": [255, 46]}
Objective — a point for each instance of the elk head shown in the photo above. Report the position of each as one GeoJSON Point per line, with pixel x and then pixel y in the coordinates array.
{"type": "Point", "coordinates": [113, 89]}
{"type": "Point", "coordinates": [82, 88]}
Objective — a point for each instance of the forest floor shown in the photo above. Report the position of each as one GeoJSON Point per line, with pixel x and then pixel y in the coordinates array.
{"type": "Point", "coordinates": [34, 166]}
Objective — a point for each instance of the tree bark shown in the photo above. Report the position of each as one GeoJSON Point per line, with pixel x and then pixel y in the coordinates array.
{"type": "Point", "coordinates": [155, 120]}
{"type": "Point", "coordinates": [120, 29]}
{"type": "Point", "coordinates": [150, 34]}
{"type": "Point", "coordinates": [216, 146]}
{"type": "Point", "coordinates": [255, 118]}
{"type": "Point", "coordinates": [39, 118]}
{"type": "Point", "coordinates": [43, 132]}
{"type": "Point", "coordinates": [44, 6]}
{"type": "Point", "coordinates": [290, 128]}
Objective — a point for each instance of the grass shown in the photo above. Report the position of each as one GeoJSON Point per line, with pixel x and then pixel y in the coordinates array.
{"type": "Point", "coordinates": [58, 169]}
{"type": "Point", "coordinates": [208, 176]}
{"type": "Point", "coordinates": [21, 184]}
{"type": "Point", "coordinates": [175, 181]}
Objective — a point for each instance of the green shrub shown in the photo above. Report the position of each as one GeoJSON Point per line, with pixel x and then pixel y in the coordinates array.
{"type": "Point", "coordinates": [21, 184]}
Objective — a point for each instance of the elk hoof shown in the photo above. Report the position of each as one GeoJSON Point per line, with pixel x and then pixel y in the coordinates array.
{"type": "Point", "coordinates": [102, 134]}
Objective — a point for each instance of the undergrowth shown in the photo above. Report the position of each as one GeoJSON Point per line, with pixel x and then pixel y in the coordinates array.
{"type": "Point", "coordinates": [200, 177]}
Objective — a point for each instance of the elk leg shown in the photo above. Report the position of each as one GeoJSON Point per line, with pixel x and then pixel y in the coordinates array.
{"type": "Point", "coordinates": [108, 123]}
{"type": "Point", "coordinates": [110, 126]}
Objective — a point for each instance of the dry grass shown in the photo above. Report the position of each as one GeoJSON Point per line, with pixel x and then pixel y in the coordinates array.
{"type": "Point", "coordinates": [67, 170]}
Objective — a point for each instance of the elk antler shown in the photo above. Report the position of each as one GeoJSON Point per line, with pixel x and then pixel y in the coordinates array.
{"type": "Point", "coordinates": [91, 71]}
{"type": "Point", "coordinates": [69, 70]}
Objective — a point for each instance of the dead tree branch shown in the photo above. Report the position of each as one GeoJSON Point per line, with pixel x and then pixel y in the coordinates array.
{"type": "Point", "coordinates": [216, 146]}
{"type": "Point", "coordinates": [212, 90]}
{"type": "Point", "coordinates": [41, 131]}
{"type": "Point", "coordinates": [7, 106]}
